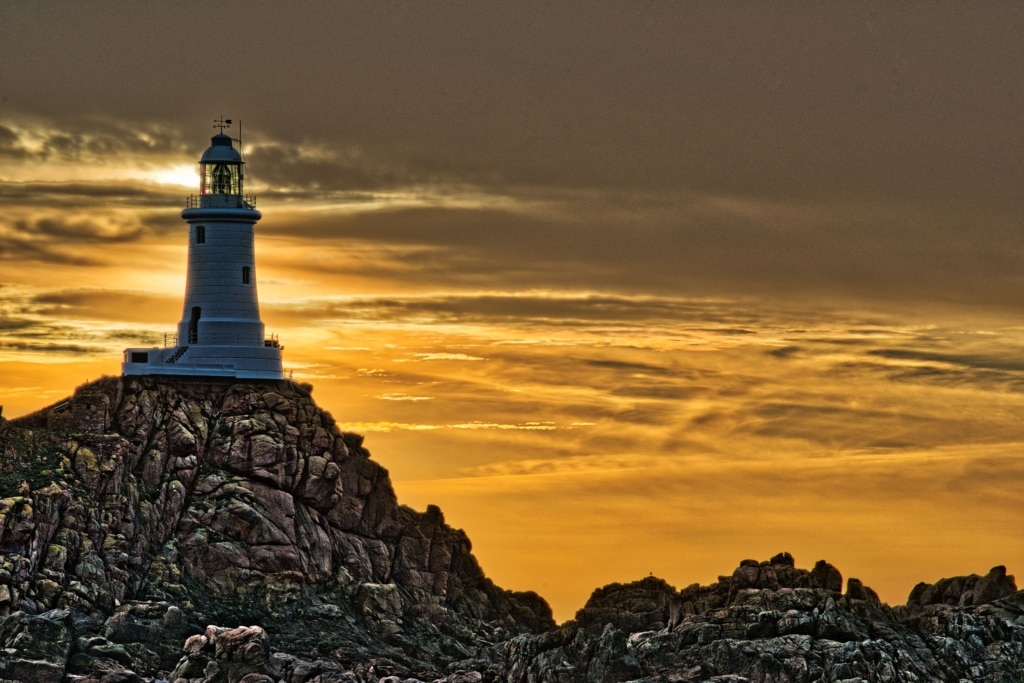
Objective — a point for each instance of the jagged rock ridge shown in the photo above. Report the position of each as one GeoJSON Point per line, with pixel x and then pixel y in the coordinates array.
{"type": "Point", "coordinates": [773, 622]}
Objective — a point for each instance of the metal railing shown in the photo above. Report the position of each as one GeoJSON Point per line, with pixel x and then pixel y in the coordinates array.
{"type": "Point", "coordinates": [220, 201]}
{"type": "Point", "coordinates": [222, 339]}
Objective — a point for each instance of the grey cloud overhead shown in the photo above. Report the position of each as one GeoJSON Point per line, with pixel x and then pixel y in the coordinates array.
{"type": "Point", "coordinates": [799, 98]}
{"type": "Point", "coordinates": [869, 149]}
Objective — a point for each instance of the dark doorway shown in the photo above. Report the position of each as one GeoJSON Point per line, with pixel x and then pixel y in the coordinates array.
{"type": "Point", "coordinates": [193, 325]}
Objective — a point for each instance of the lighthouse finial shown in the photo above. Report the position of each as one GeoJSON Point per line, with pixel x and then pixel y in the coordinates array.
{"type": "Point", "coordinates": [222, 123]}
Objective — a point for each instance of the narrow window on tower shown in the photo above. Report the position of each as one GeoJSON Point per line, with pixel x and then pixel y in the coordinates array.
{"type": "Point", "coordinates": [200, 234]}
{"type": "Point", "coordinates": [245, 275]}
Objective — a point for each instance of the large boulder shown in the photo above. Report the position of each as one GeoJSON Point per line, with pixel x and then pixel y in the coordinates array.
{"type": "Point", "coordinates": [35, 647]}
{"type": "Point", "coordinates": [963, 591]}
{"type": "Point", "coordinates": [236, 655]}
{"type": "Point", "coordinates": [639, 606]}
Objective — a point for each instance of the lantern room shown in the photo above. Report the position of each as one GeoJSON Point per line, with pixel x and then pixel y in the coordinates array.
{"type": "Point", "coordinates": [220, 168]}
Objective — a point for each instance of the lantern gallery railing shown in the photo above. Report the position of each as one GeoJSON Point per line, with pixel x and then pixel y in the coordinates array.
{"type": "Point", "coordinates": [220, 201]}
{"type": "Point", "coordinates": [220, 338]}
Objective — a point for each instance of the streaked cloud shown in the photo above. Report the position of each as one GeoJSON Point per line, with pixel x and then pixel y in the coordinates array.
{"type": "Point", "coordinates": [404, 397]}
{"type": "Point", "coordinates": [427, 357]}
{"type": "Point", "coordinates": [396, 426]}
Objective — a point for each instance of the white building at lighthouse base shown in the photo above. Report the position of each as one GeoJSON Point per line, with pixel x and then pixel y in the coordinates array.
{"type": "Point", "coordinates": [207, 360]}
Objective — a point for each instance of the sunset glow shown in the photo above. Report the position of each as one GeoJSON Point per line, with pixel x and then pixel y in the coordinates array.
{"type": "Point", "coordinates": [581, 297]}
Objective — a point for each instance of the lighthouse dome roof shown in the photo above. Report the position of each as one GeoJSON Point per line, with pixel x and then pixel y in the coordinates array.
{"type": "Point", "coordinates": [221, 151]}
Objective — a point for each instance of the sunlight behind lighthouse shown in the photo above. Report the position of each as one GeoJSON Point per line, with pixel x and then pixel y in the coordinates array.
{"type": "Point", "coordinates": [181, 175]}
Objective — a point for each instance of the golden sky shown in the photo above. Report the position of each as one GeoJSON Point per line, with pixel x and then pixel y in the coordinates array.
{"type": "Point", "coordinates": [624, 288]}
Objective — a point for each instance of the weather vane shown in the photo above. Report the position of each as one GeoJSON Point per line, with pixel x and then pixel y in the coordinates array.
{"type": "Point", "coordinates": [222, 123]}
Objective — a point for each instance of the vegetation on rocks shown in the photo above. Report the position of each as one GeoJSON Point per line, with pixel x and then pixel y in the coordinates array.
{"type": "Point", "coordinates": [27, 461]}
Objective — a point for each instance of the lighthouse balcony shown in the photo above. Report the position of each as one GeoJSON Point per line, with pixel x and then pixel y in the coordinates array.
{"type": "Point", "coordinates": [220, 201]}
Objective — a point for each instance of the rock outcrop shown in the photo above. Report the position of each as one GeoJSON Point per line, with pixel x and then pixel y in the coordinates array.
{"type": "Point", "coordinates": [213, 531]}
{"type": "Point", "coordinates": [963, 591]}
{"type": "Point", "coordinates": [142, 510]}
{"type": "Point", "coordinates": [770, 621]}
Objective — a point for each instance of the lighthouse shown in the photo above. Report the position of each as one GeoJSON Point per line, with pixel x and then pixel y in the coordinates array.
{"type": "Point", "coordinates": [220, 333]}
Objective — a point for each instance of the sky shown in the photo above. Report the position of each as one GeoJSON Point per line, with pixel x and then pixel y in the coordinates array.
{"type": "Point", "coordinates": [623, 287]}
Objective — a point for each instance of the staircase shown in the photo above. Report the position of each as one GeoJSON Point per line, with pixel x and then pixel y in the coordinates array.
{"type": "Point", "coordinates": [178, 353]}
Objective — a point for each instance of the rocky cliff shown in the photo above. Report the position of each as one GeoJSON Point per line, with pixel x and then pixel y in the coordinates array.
{"type": "Point", "coordinates": [139, 511]}
{"type": "Point", "coordinates": [208, 531]}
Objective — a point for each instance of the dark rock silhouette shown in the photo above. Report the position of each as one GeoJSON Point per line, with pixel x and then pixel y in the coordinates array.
{"type": "Point", "coordinates": [212, 531]}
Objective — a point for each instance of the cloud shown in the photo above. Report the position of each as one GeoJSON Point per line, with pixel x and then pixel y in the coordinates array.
{"type": "Point", "coordinates": [13, 324]}
{"type": "Point", "coordinates": [555, 309]}
{"type": "Point", "coordinates": [701, 246]}
{"type": "Point", "coordinates": [404, 397]}
{"type": "Point", "coordinates": [49, 348]}
{"type": "Point", "coordinates": [459, 426]}
{"type": "Point", "coordinates": [107, 305]}
{"type": "Point", "coordinates": [784, 351]}
{"type": "Point", "coordinates": [324, 172]}
{"type": "Point", "coordinates": [565, 465]}
{"type": "Point", "coordinates": [441, 233]}
{"type": "Point", "coordinates": [664, 391]}
{"type": "Point", "coordinates": [53, 238]}
{"type": "Point", "coordinates": [825, 425]}
{"type": "Point", "coordinates": [993, 369]}
{"type": "Point", "coordinates": [761, 102]}
{"type": "Point", "coordinates": [10, 144]}
{"type": "Point", "coordinates": [994, 474]}
{"type": "Point", "coordinates": [88, 139]}
{"type": "Point", "coordinates": [85, 232]}
{"type": "Point", "coordinates": [634, 367]}
{"type": "Point", "coordinates": [94, 195]}
{"type": "Point", "coordinates": [967, 361]}
{"type": "Point", "coordinates": [446, 356]}
{"type": "Point", "coordinates": [18, 249]}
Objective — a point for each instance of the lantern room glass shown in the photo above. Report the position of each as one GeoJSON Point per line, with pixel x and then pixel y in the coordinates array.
{"type": "Point", "coordinates": [220, 178]}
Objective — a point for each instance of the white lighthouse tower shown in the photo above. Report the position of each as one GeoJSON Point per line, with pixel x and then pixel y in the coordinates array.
{"type": "Point", "coordinates": [220, 333]}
